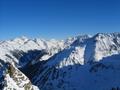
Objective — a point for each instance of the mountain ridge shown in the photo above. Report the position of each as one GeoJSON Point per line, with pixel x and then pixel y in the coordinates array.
{"type": "Point", "coordinates": [66, 64]}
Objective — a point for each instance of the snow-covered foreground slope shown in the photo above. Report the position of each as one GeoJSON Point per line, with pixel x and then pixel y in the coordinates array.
{"type": "Point", "coordinates": [79, 63]}
{"type": "Point", "coordinates": [103, 75]}
{"type": "Point", "coordinates": [13, 79]}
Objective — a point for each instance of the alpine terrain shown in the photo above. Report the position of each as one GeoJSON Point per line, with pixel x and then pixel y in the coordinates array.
{"type": "Point", "coordinates": [79, 63]}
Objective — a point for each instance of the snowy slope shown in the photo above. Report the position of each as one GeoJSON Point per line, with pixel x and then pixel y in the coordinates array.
{"type": "Point", "coordinates": [70, 69]}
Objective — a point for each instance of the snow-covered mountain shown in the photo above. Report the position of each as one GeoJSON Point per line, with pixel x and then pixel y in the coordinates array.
{"type": "Point", "coordinates": [80, 63]}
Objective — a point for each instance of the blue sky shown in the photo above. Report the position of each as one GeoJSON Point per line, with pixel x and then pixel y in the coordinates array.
{"type": "Point", "coordinates": [57, 18]}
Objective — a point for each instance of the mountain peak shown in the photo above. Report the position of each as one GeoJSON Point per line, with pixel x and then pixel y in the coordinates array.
{"type": "Point", "coordinates": [100, 35]}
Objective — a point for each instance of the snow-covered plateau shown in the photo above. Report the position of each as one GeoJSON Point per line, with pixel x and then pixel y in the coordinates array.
{"type": "Point", "coordinates": [79, 63]}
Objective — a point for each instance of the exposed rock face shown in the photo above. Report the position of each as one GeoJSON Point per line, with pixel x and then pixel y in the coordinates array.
{"type": "Point", "coordinates": [14, 79]}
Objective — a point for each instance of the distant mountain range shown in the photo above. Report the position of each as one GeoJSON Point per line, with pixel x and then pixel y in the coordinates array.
{"type": "Point", "coordinates": [78, 63]}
